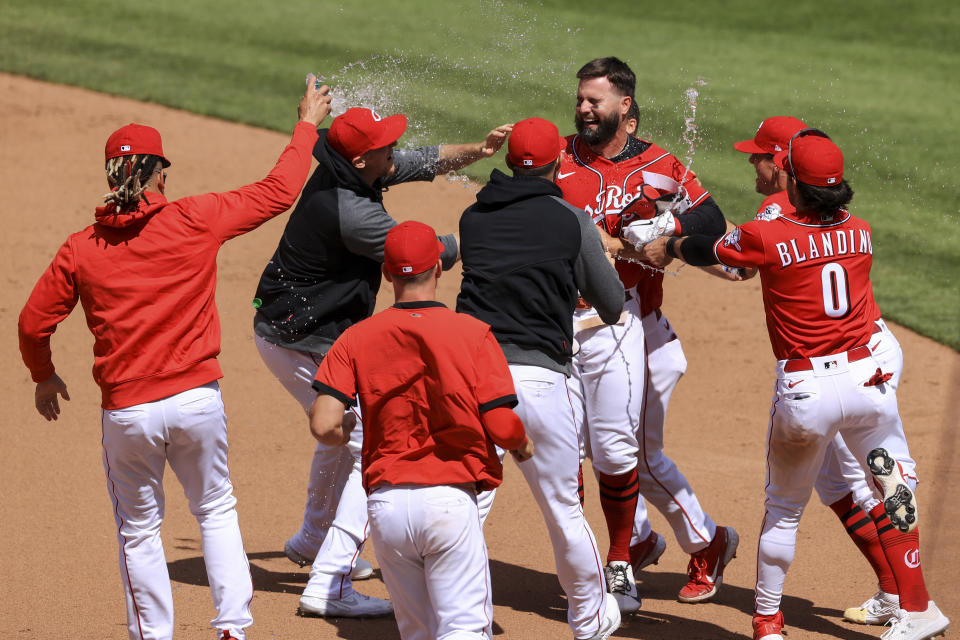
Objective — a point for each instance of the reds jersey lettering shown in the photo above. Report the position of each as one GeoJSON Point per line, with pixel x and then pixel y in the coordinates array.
{"type": "Point", "coordinates": [616, 193]}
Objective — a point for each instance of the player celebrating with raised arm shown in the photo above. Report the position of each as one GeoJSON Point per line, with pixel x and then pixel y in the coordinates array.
{"type": "Point", "coordinates": [436, 395]}
{"type": "Point", "coordinates": [834, 375]}
{"type": "Point", "coordinates": [145, 274]}
{"type": "Point", "coordinates": [842, 483]}
{"type": "Point", "coordinates": [525, 287]}
{"type": "Point", "coordinates": [322, 278]}
{"type": "Point", "coordinates": [628, 371]}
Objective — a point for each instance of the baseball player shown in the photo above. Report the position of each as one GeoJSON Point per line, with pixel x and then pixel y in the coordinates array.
{"type": "Point", "coordinates": [834, 375]}
{"type": "Point", "coordinates": [322, 278]}
{"type": "Point", "coordinates": [842, 484]}
{"type": "Point", "coordinates": [436, 396]}
{"type": "Point", "coordinates": [145, 274]}
{"type": "Point", "coordinates": [525, 287]}
{"type": "Point", "coordinates": [627, 371]}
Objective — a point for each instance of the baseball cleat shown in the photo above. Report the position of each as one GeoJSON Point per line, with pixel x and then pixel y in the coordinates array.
{"type": "Point", "coordinates": [355, 605]}
{"type": "Point", "coordinates": [768, 627]}
{"type": "Point", "coordinates": [622, 586]}
{"type": "Point", "coordinates": [295, 556]}
{"type": "Point", "coordinates": [898, 500]}
{"type": "Point", "coordinates": [879, 609]}
{"type": "Point", "coordinates": [917, 625]}
{"type": "Point", "coordinates": [361, 569]}
{"type": "Point", "coordinates": [610, 622]}
{"type": "Point", "coordinates": [648, 552]}
{"type": "Point", "coordinates": [706, 566]}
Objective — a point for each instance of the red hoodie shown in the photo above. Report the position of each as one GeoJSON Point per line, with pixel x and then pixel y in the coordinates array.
{"type": "Point", "coordinates": [146, 280]}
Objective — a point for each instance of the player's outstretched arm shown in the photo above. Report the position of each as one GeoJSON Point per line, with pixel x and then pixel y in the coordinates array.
{"type": "Point", "coordinates": [457, 156]}
{"type": "Point", "coordinates": [327, 422]}
{"type": "Point", "coordinates": [45, 396]}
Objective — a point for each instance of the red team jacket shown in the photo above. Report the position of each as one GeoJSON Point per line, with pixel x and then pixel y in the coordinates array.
{"type": "Point", "coordinates": [146, 281]}
{"type": "Point", "coordinates": [815, 277]}
{"type": "Point", "coordinates": [423, 374]}
{"type": "Point", "coordinates": [604, 189]}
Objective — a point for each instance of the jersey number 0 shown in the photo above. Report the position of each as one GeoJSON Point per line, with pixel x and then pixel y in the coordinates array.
{"type": "Point", "coordinates": [836, 290]}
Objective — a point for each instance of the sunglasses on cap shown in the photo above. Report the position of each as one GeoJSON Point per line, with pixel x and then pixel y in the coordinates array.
{"type": "Point", "coordinates": [803, 133]}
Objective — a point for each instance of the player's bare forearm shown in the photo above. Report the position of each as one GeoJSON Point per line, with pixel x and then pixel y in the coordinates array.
{"type": "Point", "coordinates": [457, 156]}
{"type": "Point", "coordinates": [327, 422]}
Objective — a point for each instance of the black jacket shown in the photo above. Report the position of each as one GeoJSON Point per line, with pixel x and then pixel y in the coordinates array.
{"type": "Point", "coordinates": [325, 274]}
{"type": "Point", "coordinates": [525, 254]}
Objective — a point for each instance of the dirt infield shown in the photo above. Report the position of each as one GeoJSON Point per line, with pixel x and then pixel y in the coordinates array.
{"type": "Point", "coordinates": [57, 535]}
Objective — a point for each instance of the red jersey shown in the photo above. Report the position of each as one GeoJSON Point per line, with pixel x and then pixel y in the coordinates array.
{"type": "Point", "coordinates": [423, 374]}
{"type": "Point", "coordinates": [815, 277]}
{"type": "Point", "coordinates": [617, 193]}
{"type": "Point", "coordinates": [147, 281]}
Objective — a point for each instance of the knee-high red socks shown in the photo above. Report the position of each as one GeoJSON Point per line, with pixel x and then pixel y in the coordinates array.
{"type": "Point", "coordinates": [863, 531]}
{"type": "Point", "coordinates": [618, 498]}
{"type": "Point", "coordinates": [903, 553]}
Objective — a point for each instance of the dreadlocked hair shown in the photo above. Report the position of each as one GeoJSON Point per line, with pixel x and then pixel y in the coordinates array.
{"type": "Point", "coordinates": [128, 177]}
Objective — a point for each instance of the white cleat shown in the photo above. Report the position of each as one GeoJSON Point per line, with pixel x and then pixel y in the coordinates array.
{"type": "Point", "coordinates": [361, 569]}
{"type": "Point", "coordinates": [622, 586]}
{"type": "Point", "coordinates": [917, 625]}
{"type": "Point", "coordinates": [879, 609]}
{"type": "Point", "coordinates": [355, 605]}
{"type": "Point", "coordinates": [610, 621]}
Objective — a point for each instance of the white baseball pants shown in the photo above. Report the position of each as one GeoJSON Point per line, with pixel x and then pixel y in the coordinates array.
{"type": "Point", "coordinates": [809, 408]}
{"type": "Point", "coordinates": [661, 482]}
{"type": "Point", "coordinates": [188, 430]}
{"type": "Point", "coordinates": [553, 421]}
{"type": "Point", "coordinates": [430, 548]}
{"type": "Point", "coordinates": [334, 524]}
{"type": "Point", "coordinates": [841, 472]}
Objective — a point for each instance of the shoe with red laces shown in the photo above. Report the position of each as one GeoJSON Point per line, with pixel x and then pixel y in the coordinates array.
{"type": "Point", "coordinates": [648, 552]}
{"type": "Point", "coordinates": [768, 627]}
{"type": "Point", "coordinates": [706, 566]}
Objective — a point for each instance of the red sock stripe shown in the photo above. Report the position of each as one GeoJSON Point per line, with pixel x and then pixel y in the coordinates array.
{"type": "Point", "coordinates": [902, 551]}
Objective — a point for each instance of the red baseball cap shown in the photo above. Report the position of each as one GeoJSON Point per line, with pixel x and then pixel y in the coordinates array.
{"type": "Point", "coordinates": [772, 136]}
{"type": "Point", "coordinates": [534, 142]}
{"type": "Point", "coordinates": [358, 130]}
{"type": "Point", "coordinates": [813, 160]}
{"type": "Point", "coordinates": [410, 248]}
{"type": "Point", "coordinates": [135, 139]}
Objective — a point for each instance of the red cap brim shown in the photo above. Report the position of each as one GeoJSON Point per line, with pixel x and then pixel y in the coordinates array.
{"type": "Point", "coordinates": [749, 146]}
{"type": "Point", "coordinates": [393, 128]}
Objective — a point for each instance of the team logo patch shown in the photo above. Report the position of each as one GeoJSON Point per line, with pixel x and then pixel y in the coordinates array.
{"type": "Point", "coordinates": [124, 147]}
{"type": "Point", "coordinates": [528, 163]}
{"type": "Point", "coordinates": [912, 558]}
{"type": "Point", "coordinates": [770, 212]}
{"type": "Point", "coordinates": [375, 115]}
{"type": "Point", "coordinates": [832, 364]}
{"type": "Point", "coordinates": [831, 180]}
{"type": "Point", "coordinates": [732, 239]}
{"type": "Point", "coordinates": [406, 269]}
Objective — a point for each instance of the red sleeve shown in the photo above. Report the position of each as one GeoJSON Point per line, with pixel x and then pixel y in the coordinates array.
{"type": "Point", "coordinates": [741, 247]}
{"type": "Point", "coordinates": [494, 382]}
{"type": "Point", "coordinates": [504, 427]}
{"type": "Point", "coordinates": [337, 375]}
{"type": "Point", "coordinates": [53, 298]}
{"type": "Point", "coordinates": [233, 213]}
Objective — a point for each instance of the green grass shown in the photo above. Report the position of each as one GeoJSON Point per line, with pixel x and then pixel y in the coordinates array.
{"type": "Point", "coordinates": [880, 77]}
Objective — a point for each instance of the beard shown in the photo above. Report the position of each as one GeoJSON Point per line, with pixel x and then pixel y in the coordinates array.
{"type": "Point", "coordinates": [605, 130]}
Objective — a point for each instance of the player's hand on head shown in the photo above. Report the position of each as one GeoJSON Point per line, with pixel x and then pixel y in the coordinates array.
{"type": "Point", "coordinates": [45, 396]}
{"type": "Point", "coordinates": [495, 139]}
{"type": "Point", "coordinates": [524, 452]}
{"type": "Point", "coordinates": [315, 103]}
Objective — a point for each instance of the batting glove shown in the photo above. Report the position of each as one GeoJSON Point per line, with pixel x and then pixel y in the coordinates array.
{"type": "Point", "coordinates": [641, 232]}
